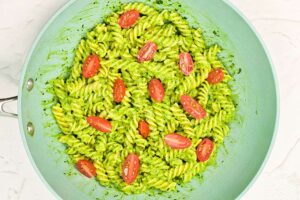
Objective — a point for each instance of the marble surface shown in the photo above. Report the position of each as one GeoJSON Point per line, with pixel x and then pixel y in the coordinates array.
{"type": "Point", "coordinates": [277, 21]}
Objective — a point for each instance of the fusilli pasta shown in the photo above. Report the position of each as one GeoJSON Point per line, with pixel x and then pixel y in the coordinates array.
{"type": "Point", "coordinates": [161, 167]}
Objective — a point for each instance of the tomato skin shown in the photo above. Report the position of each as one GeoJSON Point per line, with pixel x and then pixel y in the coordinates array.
{"type": "Point", "coordinates": [86, 168]}
{"type": "Point", "coordinates": [186, 63]}
{"type": "Point", "coordinates": [215, 76]}
{"type": "Point", "coordinates": [144, 129]}
{"type": "Point", "coordinates": [176, 141]}
{"type": "Point", "coordinates": [130, 168]}
{"type": "Point", "coordinates": [127, 19]}
{"type": "Point", "coordinates": [91, 66]}
{"type": "Point", "coordinates": [192, 107]}
{"type": "Point", "coordinates": [156, 90]}
{"type": "Point", "coordinates": [147, 52]}
{"type": "Point", "coordinates": [100, 124]}
{"type": "Point", "coordinates": [119, 90]}
{"type": "Point", "coordinates": [204, 150]}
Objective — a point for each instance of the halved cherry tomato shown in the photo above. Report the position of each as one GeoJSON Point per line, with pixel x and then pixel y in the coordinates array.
{"type": "Point", "coordinates": [130, 168]}
{"type": "Point", "coordinates": [91, 66]}
{"type": "Point", "coordinates": [144, 129]}
{"type": "Point", "coordinates": [176, 141]}
{"type": "Point", "coordinates": [100, 124]}
{"type": "Point", "coordinates": [192, 107]}
{"type": "Point", "coordinates": [186, 64]}
{"type": "Point", "coordinates": [156, 90]}
{"type": "Point", "coordinates": [127, 19]}
{"type": "Point", "coordinates": [119, 90]}
{"type": "Point", "coordinates": [147, 52]}
{"type": "Point", "coordinates": [86, 168]}
{"type": "Point", "coordinates": [215, 76]}
{"type": "Point", "coordinates": [204, 149]}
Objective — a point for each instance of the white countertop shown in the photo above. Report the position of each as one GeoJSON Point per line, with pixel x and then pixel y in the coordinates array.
{"type": "Point", "coordinates": [277, 21]}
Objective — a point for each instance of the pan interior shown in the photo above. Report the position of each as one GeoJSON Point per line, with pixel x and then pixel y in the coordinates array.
{"type": "Point", "coordinates": [251, 134]}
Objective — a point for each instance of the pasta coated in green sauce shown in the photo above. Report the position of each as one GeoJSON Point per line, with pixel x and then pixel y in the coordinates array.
{"type": "Point", "coordinates": [104, 122]}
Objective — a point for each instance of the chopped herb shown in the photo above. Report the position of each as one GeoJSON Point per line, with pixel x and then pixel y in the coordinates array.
{"type": "Point", "coordinates": [239, 71]}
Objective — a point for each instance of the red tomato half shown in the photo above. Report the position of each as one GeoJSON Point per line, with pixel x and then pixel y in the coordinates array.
{"type": "Point", "coordinates": [91, 66]}
{"type": "Point", "coordinates": [176, 141]}
{"type": "Point", "coordinates": [147, 52]}
{"type": "Point", "coordinates": [215, 76]}
{"type": "Point", "coordinates": [186, 64]}
{"type": "Point", "coordinates": [119, 90]}
{"type": "Point", "coordinates": [156, 90]}
{"type": "Point", "coordinates": [204, 149]}
{"type": "Point", "coordinates": [130, 168]}
{"type": "Point", "coordinates": [144, 129]}
{"type": "Point", "coordinates": [86, 168]}
{"type": "Point", "coordinates": [192, 107]}
{"type": "Point", "coordinates": [100, 124]}
{"type": "Point", "coordinates": [127, 19]}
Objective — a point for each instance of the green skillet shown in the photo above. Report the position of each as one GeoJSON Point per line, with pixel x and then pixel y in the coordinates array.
{"type": "Point", "coordinates": [244, 151]}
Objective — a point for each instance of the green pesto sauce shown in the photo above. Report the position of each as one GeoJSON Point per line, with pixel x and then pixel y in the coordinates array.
{"type": "Point", "coordinates": [63, 56]}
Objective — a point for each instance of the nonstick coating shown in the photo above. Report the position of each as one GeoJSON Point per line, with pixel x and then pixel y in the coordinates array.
{"type": "Point", "coordinates": [244, 150]}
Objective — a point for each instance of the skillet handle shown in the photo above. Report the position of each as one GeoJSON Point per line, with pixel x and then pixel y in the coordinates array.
{"type": "Point", "coordinates": [4, 101]}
